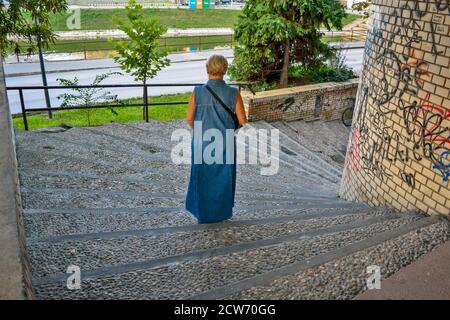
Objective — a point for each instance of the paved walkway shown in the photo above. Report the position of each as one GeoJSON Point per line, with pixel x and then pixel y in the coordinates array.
{"type": "Point", "coordinates": [114, 33]}
{"type": "Point", "coordinates": [31, 68]}
{"type": "Point", "coordinates": [427, 278]}
{"type": "Point", "coordinates": [74, 62]}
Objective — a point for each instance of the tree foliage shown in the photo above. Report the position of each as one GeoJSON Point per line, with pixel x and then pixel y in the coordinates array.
{"type": "Point", "coordinates": [274, 33]}
{"type": "Point", "coordinates": [88, 96]}
{"type": "Point", "coordinates": [17, 23]}
{"type": "Point", "coordinates": [139, 55]}
{"type": "Point", "coordinates": [363, 6]}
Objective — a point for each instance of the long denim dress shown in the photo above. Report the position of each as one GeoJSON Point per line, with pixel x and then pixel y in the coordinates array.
{"type": "Point", "coordinates": [210, 195]}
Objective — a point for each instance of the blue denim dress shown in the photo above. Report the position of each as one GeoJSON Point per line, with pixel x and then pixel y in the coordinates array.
{"type": "Point", "coordinates": [210, 195]}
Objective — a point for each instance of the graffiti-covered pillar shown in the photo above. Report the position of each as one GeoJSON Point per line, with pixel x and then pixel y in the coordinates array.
{"type": "Point", "coordinates": [399, 149]}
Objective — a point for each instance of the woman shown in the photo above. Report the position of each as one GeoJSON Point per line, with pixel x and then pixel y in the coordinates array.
{"type": "Point", "coordinates": [210, 195]}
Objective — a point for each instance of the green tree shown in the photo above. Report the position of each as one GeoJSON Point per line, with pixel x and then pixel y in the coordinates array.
{"type": "Point", "coordinates": [17, 22]}
{"type": "Point", "coordinates": [88, 96]}
{"type": "Point", "coordinates": [274, 33]}
{"type": "Point", "coordinates": [363, 6]}
{"type": "Point", "coordinates": [139, 55]}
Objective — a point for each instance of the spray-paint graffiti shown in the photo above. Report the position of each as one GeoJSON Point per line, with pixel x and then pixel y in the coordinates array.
{"type": "Point", "coordinates": [321, 102]}
{"type": "Point", "coordinates": [409, 179]}
{"type": "Point", "coordinates": [285, 105]}
{"type": "Point", "coordinates": [414, 73]}
{"type": "Point", "coordinates": [424, 127]}
{"type": "Point", "coordinates": [400, 90]}
{"type": "Point", "coordinates": [444, 165]}
{"type": "Point", "coordinates": [354, 149]}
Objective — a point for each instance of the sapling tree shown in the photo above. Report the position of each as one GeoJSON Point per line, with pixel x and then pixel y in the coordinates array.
{"type": "Point", "coordinates": [140, 55]}
{"type": "Point", "coordinates": [88, 96]}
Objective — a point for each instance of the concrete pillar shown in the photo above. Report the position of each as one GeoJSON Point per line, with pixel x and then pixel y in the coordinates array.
{"type": "Point", "coordinates": [399, 150]}
{"type": "Point", "coordinates": [15, 276]}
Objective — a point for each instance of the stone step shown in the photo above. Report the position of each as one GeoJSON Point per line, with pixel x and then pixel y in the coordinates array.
{"type": "Point", "coordinates": [44, 224]}
{"type": "Point", "coordinates": [85, 198]}
{"type": "Point", "coordinates": [164, 128]}
{"type": "Point", "coordinates": [171, 245]}
{"type": "Point", "coordinates": [57, 144]}
{"type": "Point", "coordinates": [50, 160]}
{"type": "Point", "coordinates": [312, 137]}
{"type": "Point", "coordinates": [73, 145]}
{"type": "Point", "coordinates": [32, 161]}
{"type": "Point", "coordinates": [300, 154]}
{"type": "Point", "coordinates": [119, 130]}
{"type": "Point", "coordinates": [342, 274]}
{"type": "Point", "coordinates": [289, 133]}
{"type": "Point", "coordinates": [53, 180]}
{"type": "Point", "coordinates": [218, 272]}
{"type": "Point", "coordinates": [337, 136]}
{"type": "Point", "coordinates": [109, 200]}
{"type": "Point", "coordinates": [286, 158]}
{"type": "Point", "coordinates": [324, 145]}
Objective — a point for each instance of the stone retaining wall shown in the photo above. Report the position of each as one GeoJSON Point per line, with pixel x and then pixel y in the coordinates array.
{"type": "Point", "coordinates": [15, 275]}
{"type": "Point", "coordinates": [319, 101]}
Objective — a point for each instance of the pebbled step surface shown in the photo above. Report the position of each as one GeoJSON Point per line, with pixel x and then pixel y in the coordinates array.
{"type": "Point", "coordinates": [110, 200]}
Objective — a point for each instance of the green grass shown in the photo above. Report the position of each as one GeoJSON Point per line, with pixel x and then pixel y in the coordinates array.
{"type": "Point", "coordinates": [94, 19]}
{"type": "Point", "coordinates": [350, 17]}
{"type": "Point", "coordinates": [102, 116]}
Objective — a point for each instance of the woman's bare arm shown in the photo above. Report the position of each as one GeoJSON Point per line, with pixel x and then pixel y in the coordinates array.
{"type": "Point", "coordinates": [191, 110]}
{"type": "Point", "coordinates": [240, 111]}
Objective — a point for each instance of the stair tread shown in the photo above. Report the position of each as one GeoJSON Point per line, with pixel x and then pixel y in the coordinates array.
{"type": "Point", "coordinates": [199, 275]}
{"type": "Point", "coordinates": [110, 200]}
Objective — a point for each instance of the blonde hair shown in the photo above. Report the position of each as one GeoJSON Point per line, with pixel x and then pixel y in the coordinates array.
{"type": "Point", "coordinates": [217, 65]}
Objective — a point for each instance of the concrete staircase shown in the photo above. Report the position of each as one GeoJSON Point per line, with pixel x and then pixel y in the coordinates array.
{"type": "Point", "coordinates": [109, 200]}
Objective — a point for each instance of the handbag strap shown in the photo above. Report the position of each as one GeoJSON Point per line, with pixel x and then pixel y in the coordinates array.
{"type": "Point", "coordinates": [220, 101]}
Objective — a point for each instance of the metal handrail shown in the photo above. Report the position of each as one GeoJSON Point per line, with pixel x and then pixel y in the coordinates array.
{"type": "Point", "coordinates": [145, 97]}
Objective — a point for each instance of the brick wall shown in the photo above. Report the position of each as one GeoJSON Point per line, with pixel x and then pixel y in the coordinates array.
{"type": "Point", "coordinates": [399, 150]}
{"type": "Point", "coordinates": [325, 101]}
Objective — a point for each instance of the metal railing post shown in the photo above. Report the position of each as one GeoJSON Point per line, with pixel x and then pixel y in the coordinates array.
{"type": "Point", "coordinates": [146, 103]}
{"type": "Point", "coordinates": [43, 72]}
{"type": "Point", "coordinates": [24, 111]}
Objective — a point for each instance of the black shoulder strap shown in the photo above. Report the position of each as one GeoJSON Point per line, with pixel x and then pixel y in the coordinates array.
{"type": "Point", "coordinates": [218, 99]}
{"type": "Point", "coordinates": [228, 110]}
